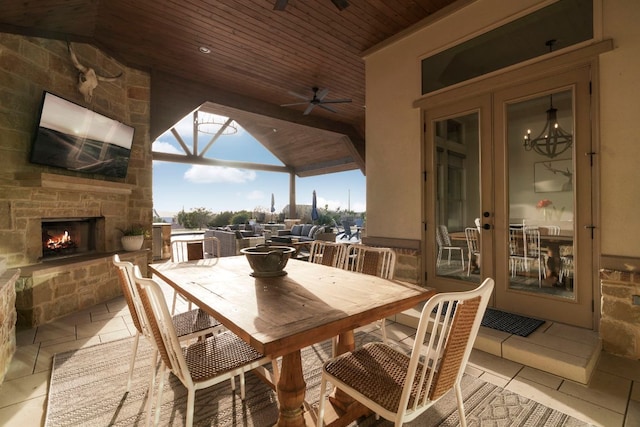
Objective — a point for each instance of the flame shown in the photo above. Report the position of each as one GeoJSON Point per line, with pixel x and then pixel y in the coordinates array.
{"type": "Point", "coordinates": [61, 241]}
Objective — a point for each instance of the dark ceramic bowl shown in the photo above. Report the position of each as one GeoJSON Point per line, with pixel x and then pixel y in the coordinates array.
{"type": "Point", "coordinates": [268, 261]}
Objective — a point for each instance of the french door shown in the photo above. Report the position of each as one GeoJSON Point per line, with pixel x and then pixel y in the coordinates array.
{"type": "Point", "coordinates": [520, 213]}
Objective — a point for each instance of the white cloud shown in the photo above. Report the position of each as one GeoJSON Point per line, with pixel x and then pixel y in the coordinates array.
{"type": "Point", "coordinates": [335, 204]}
{"type": "Point", "coordinates": [165, 147]}
{"type": "Point", "coordinates": [200, 174]}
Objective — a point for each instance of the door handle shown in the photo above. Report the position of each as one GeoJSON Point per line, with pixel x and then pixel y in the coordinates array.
{"type": "Point", "coordinates": [486, 226]}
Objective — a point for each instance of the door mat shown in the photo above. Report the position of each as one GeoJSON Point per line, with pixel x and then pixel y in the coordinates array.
{"type": "Point", "coordinates": [509, 322]}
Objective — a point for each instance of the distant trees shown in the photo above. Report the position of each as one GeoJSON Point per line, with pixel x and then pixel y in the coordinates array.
{"type": "Point", "coordinates": [196, 218]}
{"type": "Point", "coordinates": [199, 218]}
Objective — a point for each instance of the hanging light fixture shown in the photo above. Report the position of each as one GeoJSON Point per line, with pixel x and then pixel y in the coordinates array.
{"type": "Point", "coordinates": [213, 124]}
{"type": "Point", "coordinates": [553, 140]}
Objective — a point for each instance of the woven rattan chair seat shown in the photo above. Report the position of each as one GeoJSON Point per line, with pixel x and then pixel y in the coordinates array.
{"type": "Point", "coordinates": [218, 354]}
{"type": "Point", "coordinates": [193, 321]}
{"type": "Point", "coordinates": [377, 371]}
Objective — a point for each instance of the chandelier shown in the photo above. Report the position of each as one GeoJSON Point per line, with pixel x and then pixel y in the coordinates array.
{"type": "Point", "coordinates": [552, 140]}
{"type": "Point", "coordinates": [216, 125]}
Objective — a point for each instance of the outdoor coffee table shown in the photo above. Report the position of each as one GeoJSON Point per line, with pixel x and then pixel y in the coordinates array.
{"type": "Point", "coordinates": [281, 315]}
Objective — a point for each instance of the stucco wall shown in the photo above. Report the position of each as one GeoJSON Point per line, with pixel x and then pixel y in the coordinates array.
{"type": "Point", "coordinates": [620, 130]}
{"type": "Point", "coordinates": [393, 125]}
{"type": "Point", "coordinates": [394, 134]}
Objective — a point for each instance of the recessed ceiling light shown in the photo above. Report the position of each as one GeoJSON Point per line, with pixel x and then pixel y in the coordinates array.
{"type": "Point", "coordinates": [204, 49]}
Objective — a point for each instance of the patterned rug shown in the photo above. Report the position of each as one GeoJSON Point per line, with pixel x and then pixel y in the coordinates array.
{"type": "Point", "coordinates": [87, 388]}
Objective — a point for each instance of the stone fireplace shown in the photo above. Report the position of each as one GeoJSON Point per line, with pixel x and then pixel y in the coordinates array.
{"type": "Point", "coordinates": [78, 273]}
{"type": "Point", "coordinates": [71, 234]}
{"type": "Point", "coordinates": [68, 237]}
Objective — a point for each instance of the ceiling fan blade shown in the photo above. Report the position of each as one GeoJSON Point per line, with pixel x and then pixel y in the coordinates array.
{"type": "Point", "coordinates": [297, 95]}
{"type": "Point", "coordinates": [326, 107]}
{"type": "Point", "coordinates": [309, 108]}
{"type": "Point", "coordinates": [320, 95]}
{"type": "Point", "coordinates": [336, 101]}
{"type": "Point", "coordinates": [295, 103]}
{"type": "Point", "coordinates": [280, 4]}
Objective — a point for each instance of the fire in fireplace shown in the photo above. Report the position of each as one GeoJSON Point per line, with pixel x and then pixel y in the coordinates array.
{"type": "Point", "coordinates": [63, 237]}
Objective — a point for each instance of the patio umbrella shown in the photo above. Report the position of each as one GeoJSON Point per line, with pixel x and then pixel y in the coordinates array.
{"type": "Point", "coordinates": [273, 206]}
{"type": "Point", "coordinates": [314, 207]}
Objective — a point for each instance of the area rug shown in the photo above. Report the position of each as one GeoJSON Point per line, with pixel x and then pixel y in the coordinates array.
{"type": "Point", "coordinates": [510, 323]}
{"type": "Point", "coordinates": [87, 388]}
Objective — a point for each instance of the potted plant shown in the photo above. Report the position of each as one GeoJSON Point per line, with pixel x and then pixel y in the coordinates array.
{"type": "Point", "coordinates": [133, 237]}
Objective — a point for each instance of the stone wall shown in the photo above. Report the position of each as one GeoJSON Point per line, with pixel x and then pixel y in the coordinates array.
{"type": "Point", "coordinates": [48, 291]}
{"type": "Point", "coordinates": [30, 192]}
{"type": "Point", "coordinates": [620, 321]}
{"type": "Point", "coordinates": [7, 317]}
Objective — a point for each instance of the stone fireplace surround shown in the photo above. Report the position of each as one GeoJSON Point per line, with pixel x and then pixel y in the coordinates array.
{"type": "Point", "coordinates": [57, 287]}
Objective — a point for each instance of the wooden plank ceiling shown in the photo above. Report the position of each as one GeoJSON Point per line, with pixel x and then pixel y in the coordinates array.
{"type": "Point", "coordinates": [259, 55]}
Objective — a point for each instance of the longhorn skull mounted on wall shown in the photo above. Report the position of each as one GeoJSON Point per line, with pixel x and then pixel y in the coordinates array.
{"type": "Point", "coordinates": [87, 77]}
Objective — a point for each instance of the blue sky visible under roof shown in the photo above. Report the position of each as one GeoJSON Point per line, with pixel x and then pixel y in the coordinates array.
{"type": "Point", "coordinates": [179, 186]}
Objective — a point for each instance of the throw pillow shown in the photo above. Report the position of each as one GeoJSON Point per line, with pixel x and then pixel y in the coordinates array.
{"type": "Point", "coordinates": [296, 230]}
{"type": "Point", "coordinates": [306, 229]}
{"type": "Point", "coordinates": [313, 231]}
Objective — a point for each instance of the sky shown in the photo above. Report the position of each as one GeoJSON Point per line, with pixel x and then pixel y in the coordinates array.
{"type": "Point", "coordinates": [178, 186]}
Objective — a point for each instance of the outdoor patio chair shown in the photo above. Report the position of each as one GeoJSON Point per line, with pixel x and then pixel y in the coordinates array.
{"type": "Point", "coordinates": [192, 324]}
{"type": "Point", "coordinates": [347, 230]}
{"type": "Point", "coordinates": [184, 250]}
{"type": "Point", "coordinates": [371, 260]}
{"type": "Point", "coordinates": [444, 244]}
{"type": "Point", "coordinates": [400, 387]}
{"type": "Point", "coordinates": [200, 365]}
{"type": "Point", "coordinates": [327, 253]}
{"type": "Point", "coordinates": [339, 230]}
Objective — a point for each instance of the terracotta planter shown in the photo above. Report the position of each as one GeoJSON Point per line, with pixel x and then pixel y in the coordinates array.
{"type": "Point", "coordinates": [132, 243]}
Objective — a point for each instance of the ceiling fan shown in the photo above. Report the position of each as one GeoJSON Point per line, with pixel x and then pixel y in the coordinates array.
{"type": "Point", "coordinates": [340, 4]}
{"type": "Point", "coordinates": [316, 100]}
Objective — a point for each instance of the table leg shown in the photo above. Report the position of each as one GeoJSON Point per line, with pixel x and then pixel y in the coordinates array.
{"type": "Point", "coordinates": [347, 409]}
{"type": "Point", "coordinates": [291, 389]}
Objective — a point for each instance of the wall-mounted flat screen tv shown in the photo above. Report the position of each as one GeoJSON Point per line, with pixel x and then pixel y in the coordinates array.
{"type": "Point", "coordinates": [75, 138]}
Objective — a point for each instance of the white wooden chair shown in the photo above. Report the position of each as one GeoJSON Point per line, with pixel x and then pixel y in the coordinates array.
{"type": "Point", "coordinates": [534, 252]}
{"type": "Point", "coordinates": [192, 324]}
{"type": "Point", "coordinates": [365, 259]}
{"type": "Point", "coordinates": [444, 244]}
{"type": "Point", "coordinates": [472, 236]}
{"type": "Point", "coordinates": [200, 365]}
{"type": "Point", "coordinates": [517, 250]}
{"type": "Point", "coordinates": [327, 253]}
{"type": "Point", "coordinates": [400, 387]}
{"type": "Point", "coordinates": [371, 260]}
{"type": "Point", "coordinates": [184, 250]}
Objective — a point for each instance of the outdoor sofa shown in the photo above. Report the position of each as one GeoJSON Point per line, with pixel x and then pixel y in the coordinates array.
{"type": "Point", "coordinates": [303, 233]}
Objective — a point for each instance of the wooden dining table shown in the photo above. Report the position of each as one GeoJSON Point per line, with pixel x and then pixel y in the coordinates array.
{"type": "Point", "coordinates": [281, 315]}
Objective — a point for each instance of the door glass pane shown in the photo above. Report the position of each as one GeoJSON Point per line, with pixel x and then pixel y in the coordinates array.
{"type": "Point", "coordinates": [457, 144]}
{"type": "Point", "coordinates": [541, 195]}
